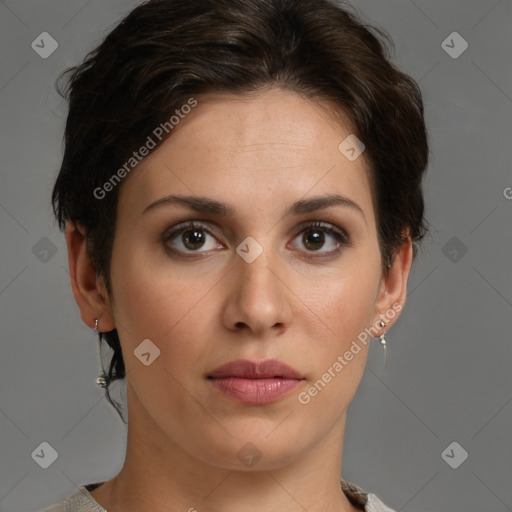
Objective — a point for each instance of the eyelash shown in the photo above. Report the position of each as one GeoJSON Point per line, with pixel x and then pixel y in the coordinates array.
{"type": "Point", "coordinates": [339, 235]}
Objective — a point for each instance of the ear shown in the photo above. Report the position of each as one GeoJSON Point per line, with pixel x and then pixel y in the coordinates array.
{"type": "Point", "coordinates": [393, 288]}
{"type": "Point", "coordinates": [88, 288]}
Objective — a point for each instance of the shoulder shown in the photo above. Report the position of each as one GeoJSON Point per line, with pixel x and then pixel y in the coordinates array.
{"type": "Point", "coordinates": [82, 501]}
{"type": "Point", "coordinates": [79, 501]}
{"type": "Point", "coordinates": [58, 507]}
{"type": "Point", "coordinates": [367, 502]}
{"type": "Point", "coordinates": [376, 505]}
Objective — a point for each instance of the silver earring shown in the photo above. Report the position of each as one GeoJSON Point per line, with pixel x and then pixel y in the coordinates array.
{"type": "Point", "coordinates": [383, 337]}
{"type": "Point", "coordinates": [102, 378]}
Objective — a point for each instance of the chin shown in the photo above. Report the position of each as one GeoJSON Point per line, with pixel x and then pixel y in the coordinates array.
{"type": "Point", "coordinates": [253, 451]}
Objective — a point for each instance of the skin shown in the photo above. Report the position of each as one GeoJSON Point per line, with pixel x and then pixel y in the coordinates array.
{"type": "Point", "coordinates": [258, 154]}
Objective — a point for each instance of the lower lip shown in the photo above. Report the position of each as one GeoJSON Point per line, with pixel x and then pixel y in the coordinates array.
{"type": "Point", "coordinates": [254, 391]}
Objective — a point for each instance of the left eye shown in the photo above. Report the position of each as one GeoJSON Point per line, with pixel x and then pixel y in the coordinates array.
{"type": "Point", "coordinates": [315, 237]}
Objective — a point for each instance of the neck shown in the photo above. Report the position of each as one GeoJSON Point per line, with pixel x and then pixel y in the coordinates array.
{"type": "Point", "coordinates": [158, 474]}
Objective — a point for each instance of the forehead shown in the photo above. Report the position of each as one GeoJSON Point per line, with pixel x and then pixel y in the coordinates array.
{"type": "Point", "coordinates": [269, 148]}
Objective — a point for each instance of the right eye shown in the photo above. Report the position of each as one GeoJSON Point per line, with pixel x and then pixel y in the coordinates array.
{"type": "Point", "coordinates": [190, 238]}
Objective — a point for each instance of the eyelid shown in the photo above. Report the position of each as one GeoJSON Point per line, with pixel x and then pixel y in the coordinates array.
{"type": "Point", "coordinates": [325, 226]}
{"type": "Point", "coordinates": [179, 228]}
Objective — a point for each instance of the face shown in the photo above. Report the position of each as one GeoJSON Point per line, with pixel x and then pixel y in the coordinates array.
{"type": "Point", "coordinates": [299, 290]}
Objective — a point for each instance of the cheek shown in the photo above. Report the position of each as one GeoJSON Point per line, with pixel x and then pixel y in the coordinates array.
{"type": "Point", "coordinates": [346, 303]}
{"type": "Point", "coordinates": [149, 299]}
{"type": "Point", "coordinates": [337, 362]}
{"type": "Point", "coordinates": [164, 306]}
{"type": "Point", "coordinates": [149, 305]}
{"type": "Point", "coordinates": [347, 307]}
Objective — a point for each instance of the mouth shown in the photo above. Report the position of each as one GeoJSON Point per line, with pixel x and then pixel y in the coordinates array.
{"type": "Point", "coordinates": [266, 369]}
{"type": "Point", "coordinates": [255, 382]}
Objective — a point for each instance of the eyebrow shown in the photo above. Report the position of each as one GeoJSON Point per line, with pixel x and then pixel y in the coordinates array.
{"type": "Point", "coordinates": [207, 205]}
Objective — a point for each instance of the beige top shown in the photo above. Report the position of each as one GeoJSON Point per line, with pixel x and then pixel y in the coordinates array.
{"type": "Point", "coordinates": [82, 501]}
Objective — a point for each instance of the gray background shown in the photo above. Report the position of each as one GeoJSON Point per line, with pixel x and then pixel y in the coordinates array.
{"type": "Point", "coordinates": [448, 373]}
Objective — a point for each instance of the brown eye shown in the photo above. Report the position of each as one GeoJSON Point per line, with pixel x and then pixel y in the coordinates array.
{"type": "Point", "coordinates": [325, 239]}
{"type": "Point", "coordinates": [189, 238]}
{"type": "Point", "coordinates": [193, 238]}
{"type": "Point", "coordinates": [313, 239]}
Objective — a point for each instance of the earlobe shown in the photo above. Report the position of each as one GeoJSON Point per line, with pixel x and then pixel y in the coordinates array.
{"type": "Point", "coordinates": [90, 295]}
{"type": "Point", "coordinates": [394, 286]}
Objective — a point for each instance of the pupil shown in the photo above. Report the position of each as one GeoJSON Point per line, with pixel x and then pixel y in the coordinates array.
{"type": "Point", "coordinates": [194, 240]}
{"type": "Point", "coordinates": [313, 241]}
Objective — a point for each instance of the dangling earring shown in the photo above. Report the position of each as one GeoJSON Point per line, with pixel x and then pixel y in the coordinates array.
{"type": "Point", "coordinates": [383, 338]}
{"type": "Point", "coordinates": [102, 378]}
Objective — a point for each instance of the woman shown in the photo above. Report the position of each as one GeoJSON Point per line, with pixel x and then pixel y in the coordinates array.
{"type": "Point", "coordinates": [241, 195]}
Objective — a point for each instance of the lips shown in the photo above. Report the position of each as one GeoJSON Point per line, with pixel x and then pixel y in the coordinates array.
{"type": "Point", "coordinates": [255, 382]}
{"type": "Point", "coordinates": [243, 368]}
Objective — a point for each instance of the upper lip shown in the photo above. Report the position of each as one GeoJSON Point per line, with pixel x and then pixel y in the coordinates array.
{"type": "Point", "coordinates": [244, 368]}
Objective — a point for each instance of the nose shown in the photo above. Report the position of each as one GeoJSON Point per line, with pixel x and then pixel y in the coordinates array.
{"type": "Point", "coordinates": [258, 299]}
